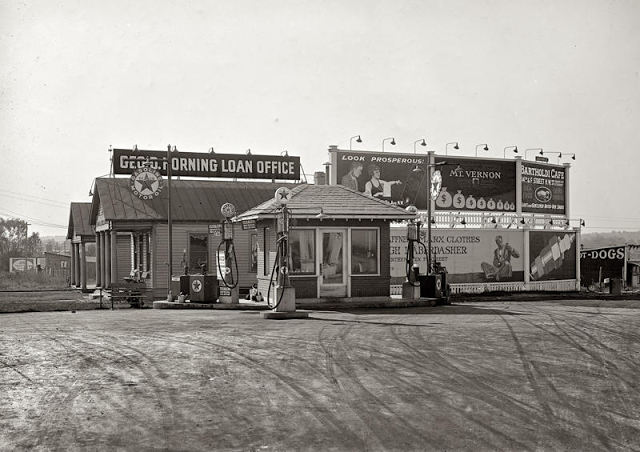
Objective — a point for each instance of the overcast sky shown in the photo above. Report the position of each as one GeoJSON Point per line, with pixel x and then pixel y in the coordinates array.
{"type": "Point", "coordinates": [79, 76]}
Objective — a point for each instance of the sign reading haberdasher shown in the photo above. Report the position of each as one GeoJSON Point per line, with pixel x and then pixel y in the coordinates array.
{"type": "Point", "coordinates": [543, 188]}
{"type": "Point", "coordinates": [198, 164]}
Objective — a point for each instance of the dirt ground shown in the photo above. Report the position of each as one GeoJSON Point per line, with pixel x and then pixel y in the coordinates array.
{"type": "Point", "coordinates": [516, 376]}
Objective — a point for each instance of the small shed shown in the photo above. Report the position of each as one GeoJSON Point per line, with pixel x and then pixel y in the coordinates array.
{"type": "Point", "coordinates": [338, 240]}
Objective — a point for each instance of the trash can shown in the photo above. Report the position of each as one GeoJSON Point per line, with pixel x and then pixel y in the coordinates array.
{"type": "Point", "coordinates": [616, 286]}
{"type": "Point", "coordinates": [203, 288]}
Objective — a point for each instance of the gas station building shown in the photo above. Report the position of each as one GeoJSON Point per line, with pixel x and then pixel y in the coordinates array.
{"type": "Point", "coordinates": [164, 221]}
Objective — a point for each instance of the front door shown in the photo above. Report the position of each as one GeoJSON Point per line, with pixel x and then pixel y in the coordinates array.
{"type": "Point", "coordinates": [333, 274]}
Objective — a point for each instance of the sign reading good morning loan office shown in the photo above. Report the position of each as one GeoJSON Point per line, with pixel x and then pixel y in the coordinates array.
{"type": "Point", "coordinates": [198, 164]}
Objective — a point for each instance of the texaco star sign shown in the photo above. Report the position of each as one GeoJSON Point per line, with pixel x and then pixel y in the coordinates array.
{"type": "Point", "coordinates": [146, 183]}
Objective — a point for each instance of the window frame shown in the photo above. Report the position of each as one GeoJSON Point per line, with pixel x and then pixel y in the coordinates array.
{"type": "Point", "coordinates": [376, 230]}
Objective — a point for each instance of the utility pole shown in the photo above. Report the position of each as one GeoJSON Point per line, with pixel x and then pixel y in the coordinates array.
{"type": "Point", "coordinates": [26, 245]}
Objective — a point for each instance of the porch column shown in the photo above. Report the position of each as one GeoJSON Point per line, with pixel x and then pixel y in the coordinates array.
{"type": "Point", "coordinates": [103, 259]}
{"type": "Point", "coordinates": [98, 263]}
{"type": "Point", "coordinates": [82, 254]}
{"type": "Point", "coordinates": [114, 258]}
{"type": "Point", "coordinates": [72, 261]}
{"type": "Point", "coordinates": [76, 255]}
{"type": "Point", "coordinates": [107, 260]}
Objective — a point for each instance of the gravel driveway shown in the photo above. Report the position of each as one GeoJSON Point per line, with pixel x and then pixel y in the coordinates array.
{"type": "Point", "coordinates": [479, 376]}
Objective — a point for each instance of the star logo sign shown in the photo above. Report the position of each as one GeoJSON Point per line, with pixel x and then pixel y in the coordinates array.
{"type": "Point", "coordinates": [283, 195]}
{"type": "Point", "coordinates": [196, 285]}
{"type": "Point", "coordinates": [146, 183]}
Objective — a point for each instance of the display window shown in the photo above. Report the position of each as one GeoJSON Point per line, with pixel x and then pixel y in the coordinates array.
{"type": "Point", "coordinates": [302, 251]}
{"type": "Point", "coordinates": [365, 252]}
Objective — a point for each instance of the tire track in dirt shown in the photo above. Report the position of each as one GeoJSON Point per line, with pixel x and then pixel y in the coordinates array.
{"type": "Point", "coordinates": [381, 420]}
{"type": "Point", "coordinates": [87, 350]}
{"type": "Point", "coordinates": [466, 386]}
{"type": "Point", "coordinates": [308, 398]}
{"type": "Point", "coordinates": [578, 409]}
{"type": "Point", "coordinates": [614, 374]}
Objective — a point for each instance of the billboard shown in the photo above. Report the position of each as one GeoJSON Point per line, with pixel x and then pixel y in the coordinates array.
{"type": "Point", "coordinates": [599, 264]}
{"type": "Point", "coordinates": [477, 185]}
{"type": "Point", "coordinates": [20, 264]}
{"type": "Point", "coordinates": [543, 188]}
{"type": "Point", "coordinates": [397, 178]}
{"type": "Point", "coordinates": [198, 164]}
{"type": "Point", "coordinates": [470, 256]}
{"type": "Point", "coordinates": [552, 255]}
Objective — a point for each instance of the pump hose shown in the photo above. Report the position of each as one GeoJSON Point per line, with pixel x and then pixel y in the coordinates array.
{"type": "Point", "coordinates": [273, 273]}
{"type": "Point", "coordinates": [408, 269]}
{"type": "Point", "coordinates": [234, 283]}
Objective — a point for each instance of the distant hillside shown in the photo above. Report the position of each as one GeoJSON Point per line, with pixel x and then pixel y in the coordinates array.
{"type": "Point", "coordinates": [615, 238]}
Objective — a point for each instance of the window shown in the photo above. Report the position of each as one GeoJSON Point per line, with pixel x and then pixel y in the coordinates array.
{"type": "Point", "coordinates": [364, 251]}
{"type": "Point", "coordinates": [198, 253]}
{"type": "Point", "coordinates": [302, 251]}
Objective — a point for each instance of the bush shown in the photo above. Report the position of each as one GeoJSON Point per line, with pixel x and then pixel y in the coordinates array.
{"type": "Point", "coordinates": [31, 281]}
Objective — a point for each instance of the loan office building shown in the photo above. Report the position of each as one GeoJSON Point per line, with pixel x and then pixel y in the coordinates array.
{"type": "Point", "coordinates": [496, 224]}
{"type": "Point", "coordinates": [339, 237]}
{"type": "Point", "coordinates": [157, 224]}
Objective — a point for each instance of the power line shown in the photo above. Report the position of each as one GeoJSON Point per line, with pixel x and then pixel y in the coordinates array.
{"type": "Point", "coordinates": [22, 197]}
{"type": "Point", "coordinates": [37, 221]}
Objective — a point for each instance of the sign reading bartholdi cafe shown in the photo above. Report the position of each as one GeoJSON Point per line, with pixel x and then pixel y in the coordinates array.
{"type": "Point", "coordinates": [198, 164]}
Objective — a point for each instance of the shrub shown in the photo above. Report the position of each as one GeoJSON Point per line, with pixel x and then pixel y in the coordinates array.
{"type": "Point", "coordinates": [31, 280]}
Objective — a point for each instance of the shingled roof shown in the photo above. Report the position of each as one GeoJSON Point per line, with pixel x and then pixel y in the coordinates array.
{"type": "Point", "coordinates": [191, 200]}
{"type": "Point", "coordinates": [79, 216]}
{"type": "Point", "coordinates": [336, 201]}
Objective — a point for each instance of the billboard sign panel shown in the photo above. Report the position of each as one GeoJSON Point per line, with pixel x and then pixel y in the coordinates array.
{"type": "Point", "coordinates": [477, 185]}
{"type": "Point", "coordinates": [21, 264]}
{"type": "Point", "coordinates": [543, 188]}
{"type": "Point", "coordinates": [397, 178]}
{"type": "Point", "coordinates": [470, 256]}
{"type": "Point", "coordinates": [598, 264]}
{"type": "Point", "coordinates": [198, 164]}
{"type": "Point", "coordinates": [552, 255]}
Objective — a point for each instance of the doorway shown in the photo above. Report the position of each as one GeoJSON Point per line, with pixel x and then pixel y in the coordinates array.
{"type": "Point", "coordinates": [333, 275]}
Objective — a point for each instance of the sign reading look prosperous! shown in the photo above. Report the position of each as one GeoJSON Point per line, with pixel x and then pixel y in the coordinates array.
{"type": "Point", "coordinates": [198, 164]}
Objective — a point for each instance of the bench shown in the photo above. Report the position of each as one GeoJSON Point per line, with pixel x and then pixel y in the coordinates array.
{"type": "Point", "coordinates": [131, 291]}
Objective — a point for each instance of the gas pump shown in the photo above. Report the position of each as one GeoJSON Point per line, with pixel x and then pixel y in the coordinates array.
{"type": "Point", "coordinates": [284, 296]}
{"type": "Point", "coordinates": [411, 287]}
{"type": "Point", "coordinates": [229, 291]}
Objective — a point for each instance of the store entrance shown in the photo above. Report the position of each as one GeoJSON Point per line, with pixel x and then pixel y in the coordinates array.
{"type": "Point", "coordinates": [333, 276]}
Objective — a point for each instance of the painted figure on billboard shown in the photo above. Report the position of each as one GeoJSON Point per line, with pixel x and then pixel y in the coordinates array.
{"type": "Point", "coordinates": [464, 253]}
{"type": "Point", "coordinates": [501, 268]}
{"type": "Point", "coordinates": [377, 187]}
{"type": "Point", "coordinates": [351, 179]}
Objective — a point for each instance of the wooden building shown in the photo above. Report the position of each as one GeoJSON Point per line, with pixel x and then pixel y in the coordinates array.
{"type": "Point", "coordinates": [132, 233]}
{"type": "Point", "coordinates": [338, 239]}
{"type": "Point", "coordinates": [80, 233]}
